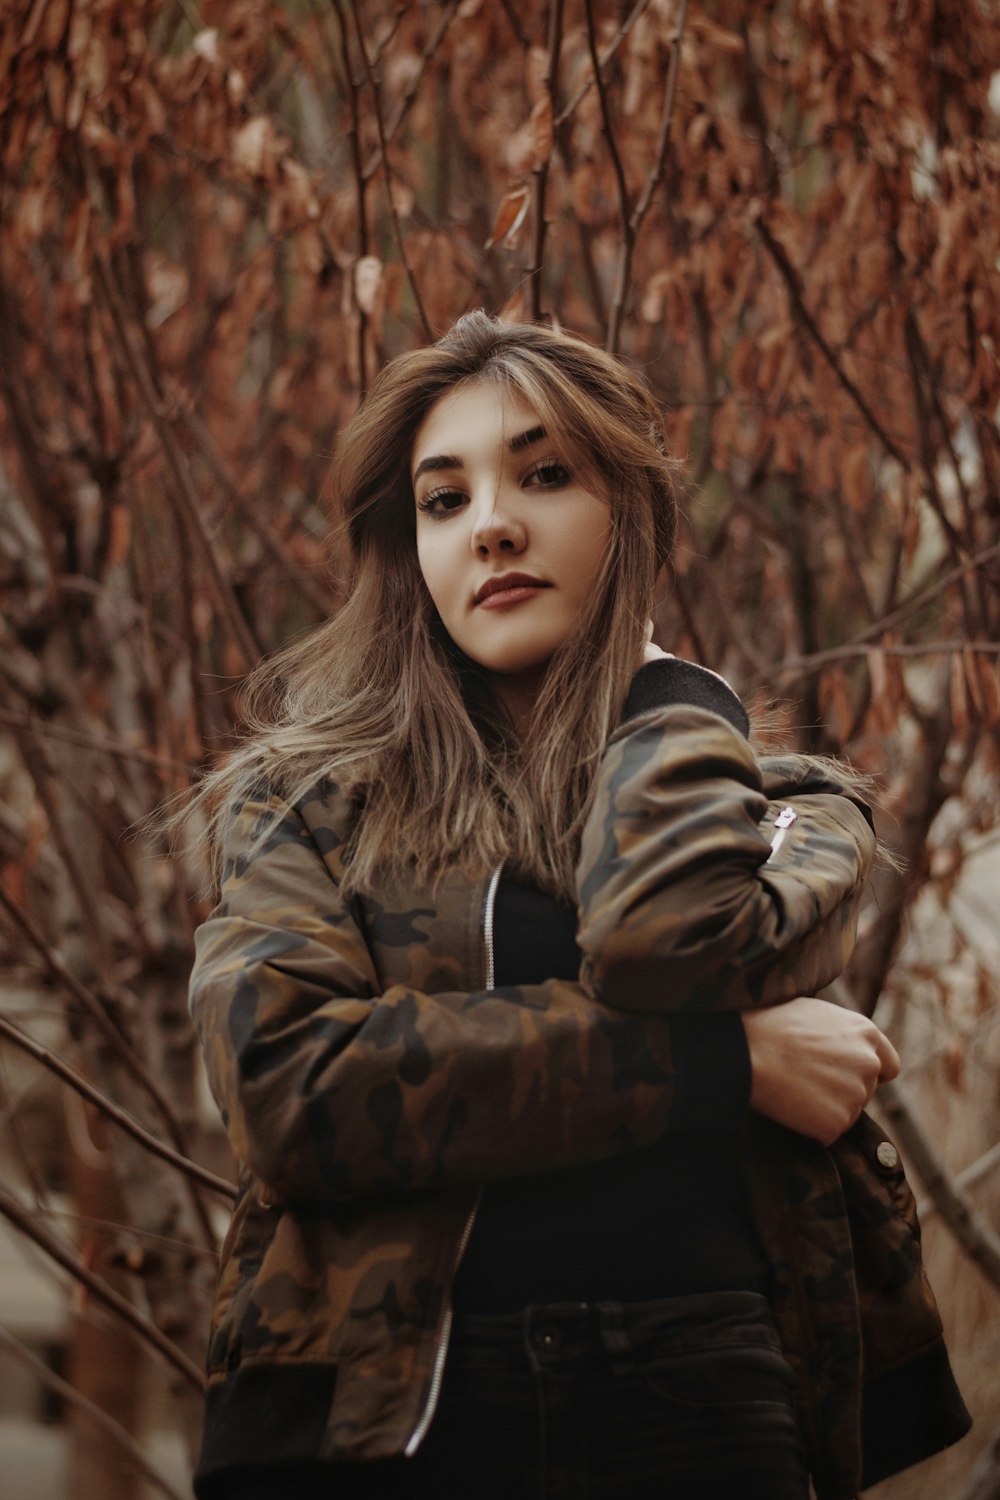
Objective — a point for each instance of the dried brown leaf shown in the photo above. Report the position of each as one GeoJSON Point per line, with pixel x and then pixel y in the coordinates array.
{"type": "Point", "coordinates": [718, 37]}
{"type": "Point", "coordinates": [510, 215]}
{"type": "Point", "coordinates": [53, 23]}
{"type": "Point", "coordinates": [856, 478]}
{"type": "Point", "coordinates": [255, 147]}
{"type": "Point", "coordinates": [368, 283]}
{"type": "Point", "coordinates": [93, 67]}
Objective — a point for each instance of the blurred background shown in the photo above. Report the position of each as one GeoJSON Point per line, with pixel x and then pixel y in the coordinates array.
{"type": "Point", "coordinates": [218, 218]}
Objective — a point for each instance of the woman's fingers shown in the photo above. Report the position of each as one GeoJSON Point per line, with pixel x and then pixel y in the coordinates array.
{"type": "Point", "coordinates": [889, 1058]}
{"type": "Point", "coordinates": [815, 1066]}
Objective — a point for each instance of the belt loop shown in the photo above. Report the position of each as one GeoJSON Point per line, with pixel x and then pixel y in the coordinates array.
{"type": "Point", "coordinates": [614, 1335]}
{"type": "Point", "coordinates": [527, 1322]}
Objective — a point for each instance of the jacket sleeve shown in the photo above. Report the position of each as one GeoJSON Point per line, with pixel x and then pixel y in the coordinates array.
{"type": "Point", "coordinates": [683, 901]}
{"type": "Point", "coordinates": [332, 1087]}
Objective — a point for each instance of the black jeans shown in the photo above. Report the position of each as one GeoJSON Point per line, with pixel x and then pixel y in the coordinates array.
{"type": "Point", "coordinates": [689, 1398]}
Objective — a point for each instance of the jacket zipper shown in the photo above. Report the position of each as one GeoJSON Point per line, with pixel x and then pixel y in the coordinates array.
{"type": "Point", "coordinates": [441, 1353]}
{"type": "Point", "coordinates": [782, 823]}
{"type": "Point", "coordinates": [489, 906]}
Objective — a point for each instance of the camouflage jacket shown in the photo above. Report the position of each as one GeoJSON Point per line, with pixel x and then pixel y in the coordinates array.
{"type": "Point", "coordinates": [371, 1078]}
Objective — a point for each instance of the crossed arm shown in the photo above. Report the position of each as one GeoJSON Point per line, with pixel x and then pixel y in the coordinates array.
{"type": "Point", "coordinates": [333, 1084]}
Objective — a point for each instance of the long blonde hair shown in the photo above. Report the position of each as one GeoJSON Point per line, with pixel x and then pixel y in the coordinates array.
{"type": "Point", "coordinates": [379, 701]}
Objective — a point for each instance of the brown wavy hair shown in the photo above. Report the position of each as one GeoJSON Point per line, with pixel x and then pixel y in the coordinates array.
{"type": "Point", "coordinates": [380, 701]}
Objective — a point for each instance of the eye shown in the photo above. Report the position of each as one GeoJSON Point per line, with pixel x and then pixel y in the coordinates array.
{"type": "Point", "coordinates": [549, 475]}
{"type": "Point", "coordinates": [440, 503]}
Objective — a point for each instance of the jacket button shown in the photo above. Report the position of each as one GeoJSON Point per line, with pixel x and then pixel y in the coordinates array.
{"type": "Point", "coordinates": [887, 1155]}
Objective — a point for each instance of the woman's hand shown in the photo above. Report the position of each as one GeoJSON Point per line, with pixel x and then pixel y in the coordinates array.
{"type": "Point", "coordinates": [815, 1066]}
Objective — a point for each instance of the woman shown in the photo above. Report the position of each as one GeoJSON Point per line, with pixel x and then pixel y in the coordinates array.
{"type": "Point", "coordinates": [500, 1006]}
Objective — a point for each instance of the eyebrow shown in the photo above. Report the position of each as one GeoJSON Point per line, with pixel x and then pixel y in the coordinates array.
{"type": "Point", "coordinates": [435, 462]}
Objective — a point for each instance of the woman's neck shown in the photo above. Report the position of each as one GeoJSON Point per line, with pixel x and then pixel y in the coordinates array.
{"type": "Point", "coordinates": [518, 694]}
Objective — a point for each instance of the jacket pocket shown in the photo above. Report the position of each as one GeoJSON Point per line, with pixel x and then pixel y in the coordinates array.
{"type": "Point", "coordinates": [897, 1308]}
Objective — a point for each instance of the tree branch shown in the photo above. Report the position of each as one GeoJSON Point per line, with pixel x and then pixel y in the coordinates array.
{"type": "Point", "coordinates": [117, 1040]}
{"type": "Point", "coordinates": [187, 497]}
{"type": "Point", "coordinates": [22, 1218]}
{"type": "Point", "coordinates": [104, 743]}
{"type": "Point", "coordinates": [82, 1403]}
{"type": "Point", "coordinates": [957, 544]}
{"type": "Point", "coordinates": [795, 667]}
{"type": "Point", "coordinates": [354, 136]}
{"type": "Point", "coordinates": [888, 622]}
{"type": "Point", "coordinates": [387, 174]}
{"type": "Point", "coordinates": [541, 171]}
{"type": "Point", "coordinates": [630, 232]}
{"type": "Point", "coordinates": [968, 1177]}
{"type": "Point", "coordinates": [412, 88]}
{"type": "Point", "coordinates": [609, 134]}
{"type": "Point", "coordinates": [977, 1238]}
{"type": "Point", "coordinates": [119, 1116]}
{"type": "Point", "coordinates": [793, 286]}
{"type": "Point", "coordinates": [36, 764]}
{"type": "Point", "coordinates": [606, 57]}
{"type": "Point", "coordinates": [318, 596]}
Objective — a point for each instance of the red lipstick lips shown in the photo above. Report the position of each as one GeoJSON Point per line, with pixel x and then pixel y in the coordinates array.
{"type": "Point", "coordinates": [512, 585]}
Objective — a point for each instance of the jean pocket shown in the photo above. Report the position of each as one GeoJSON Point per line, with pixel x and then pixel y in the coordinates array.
{"type": "Point", "coordinates": [744, 1374]}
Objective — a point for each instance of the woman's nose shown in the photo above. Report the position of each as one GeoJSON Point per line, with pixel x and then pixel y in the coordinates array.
{"type": "Point", "coordinates": [497, 530]}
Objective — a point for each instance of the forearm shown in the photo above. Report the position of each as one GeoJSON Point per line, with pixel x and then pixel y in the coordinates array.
{"type": "Point", "coordinates": [680, 906]}
{"type": "Point", "coordinates": [332, 1083]}
{"type": "Point", "coordinates": [330, 1096]}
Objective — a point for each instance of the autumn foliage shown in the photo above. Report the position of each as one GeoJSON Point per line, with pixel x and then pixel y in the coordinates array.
{"type": "Point", "coordinates": [220, 217]}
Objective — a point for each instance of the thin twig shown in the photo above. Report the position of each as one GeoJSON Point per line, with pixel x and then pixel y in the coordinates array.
{"type": "Point", "coordinates": [541, 171]}
{"type": "Point", "coordinates": [311, 588]}
{"type": "Point", "coordinates": [121, 1047]}
{"type": "Point", "coordinates": [121, 1233]}
{"type": "Point", "coordinates": [82, 1403]}
{"type": "Point", "coordinates": [81, 881]}
{"type": "Point", "coordinates": [412, 88]}
{"type": "Point", "coordinates": [609, 133]}
{"type": "Point", "coordinates": [977, 1238]}
{"type": "Point", "coordinates": [361, 203]}
{"type": "Point", "coordinates": [626, 251]}
{"type": "Point", "coordinates": [113, 1112]}
{"type": "Point", "coordinates": [187, 497]}
{"type": "Point", "coordinates": [798, 666]}
{"type": "Point", "coordinates": [397, 228]}
{"type": "Point", "coordinates": [47, 730]}
{"type": "Point", "coordinates": [394, 25]}
{"type": "Point", "coordinates": [23, 1219]}
{"type": "Point", "coordinates": [973, 1173]}
{"type": "Point", "coordinates": [956, 543]}
{"type": "Point", "coordinates": [606, 57]}
{"type": "Point", "coordinates": [515, 24]}
{"type": "Point", "coordinates": [793, 286]}
{"type": "Point", "coordinates": [889, 622]}
{"type": "Point", "coordinates": [757, 113]}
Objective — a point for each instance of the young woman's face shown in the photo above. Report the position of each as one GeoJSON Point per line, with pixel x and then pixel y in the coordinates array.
{"type": "Point", "coordinates": [510, 543]}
